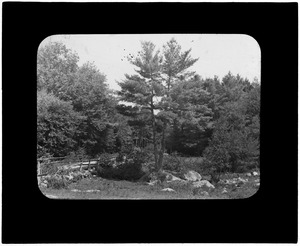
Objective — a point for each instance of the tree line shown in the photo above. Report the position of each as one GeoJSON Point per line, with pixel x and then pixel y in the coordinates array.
{"type": "Point", "coordinates": [169, 109]}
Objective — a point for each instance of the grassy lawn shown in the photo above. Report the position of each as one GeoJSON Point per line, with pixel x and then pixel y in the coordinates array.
{"type": "Point", "coordinates": [99, 188]}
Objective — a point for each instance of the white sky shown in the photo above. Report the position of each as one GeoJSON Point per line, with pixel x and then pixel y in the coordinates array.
{"type": "Point", "coordinates": [218, 53]}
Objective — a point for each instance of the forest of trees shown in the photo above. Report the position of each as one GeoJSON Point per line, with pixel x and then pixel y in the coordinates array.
{"type": "Point", "coordinates": [169, 109]}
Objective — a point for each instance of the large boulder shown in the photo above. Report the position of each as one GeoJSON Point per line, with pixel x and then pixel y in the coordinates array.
{"type": "Point", "coordinates": [154, 182]}
{"type": "Point", "coordinates": [204, 193]}
{"type": "Point", "coordinates": [171, 178]}
{"type": "Point", "coordinates": [192, 176]}
{"type": "Point", "coordinates": [201, 183]}
{"type": "Point", "coordinates": [168, 189]}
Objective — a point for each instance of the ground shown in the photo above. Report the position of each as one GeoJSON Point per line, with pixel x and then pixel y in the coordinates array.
{"type": "Point", "coordinates": [99, 188]}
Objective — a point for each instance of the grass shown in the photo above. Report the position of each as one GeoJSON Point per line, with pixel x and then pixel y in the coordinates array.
{"type": "Point", "coordinates": [99, 188]}
{"type": "Point", "coordinates": [103, 188]}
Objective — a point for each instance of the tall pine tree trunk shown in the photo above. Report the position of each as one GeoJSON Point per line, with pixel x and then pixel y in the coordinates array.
{"type": "Point", "coordinates": [154, 138]}
{"type": "Point", "coordinates": [162, 150]}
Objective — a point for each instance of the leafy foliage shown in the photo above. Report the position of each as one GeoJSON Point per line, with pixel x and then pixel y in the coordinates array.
{"type": "Point", "coordinates": [129, 166]}
{"type": "Point", "coordinates": [235, 142]}
{"type": "Point", "coordinates": [56, 68]}
{"type": "Point", "coordinates": [75, 107]}
{"type": "Point", "coordinates": [57, 124]}
{"type": "Point", "coordinates": [168, 108]}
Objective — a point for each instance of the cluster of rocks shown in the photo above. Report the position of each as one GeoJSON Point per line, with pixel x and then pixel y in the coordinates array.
{"type": "Point", "coordinates": [197, 181]}
{"type": "Point", "coordinates": [252, 174]}
{"type": "Point", "coordinates": [238, 180]}
{"type": "Point", "coordinates": [190, 177]}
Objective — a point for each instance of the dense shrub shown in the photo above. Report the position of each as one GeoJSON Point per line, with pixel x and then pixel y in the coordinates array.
{"type": "Point", "coordinates": [193, 163]}
{"type": "Point", "coordinates": [234, 146]}
{"type": "Point", "coordinates": [57, 124]}
{"type": "Point", "coordinates": [106, 160]}
{"type": "Point", "coordinates": [128, 167]}
{"type": "Point", "coordinates": [172, 163]}
{"type": "Point", "coordinates": [131, 170]}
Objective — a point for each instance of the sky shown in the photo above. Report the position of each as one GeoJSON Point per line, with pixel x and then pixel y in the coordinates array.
{"type": "Point", "coordinates": [218, 53]}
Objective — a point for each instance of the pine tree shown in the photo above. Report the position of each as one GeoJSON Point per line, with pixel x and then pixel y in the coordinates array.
{"type": "Point", "coordinates": [151, 89]}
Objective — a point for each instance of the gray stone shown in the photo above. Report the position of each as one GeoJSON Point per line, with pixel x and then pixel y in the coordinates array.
{"type": "Point", "coordinates": [255, 173]}
{"type": "Point", "coordinates": [168, 189]}
{"type": "Point", "coordinates": [154, 182]}
{"type": "Point", "coordinates": [224, 191]}
{"type": "Point", "coordinates": [242, 180]}
{"type": "Point", "coordinates": [51, 196]}
{"type": "Point", "coordinates": [43, 185]}
{"type": "Point", "coordinates": [171, 178]}
{"type": "Point", "coordinates": [204, 193]}
{"type": "Point", "coordinates": [202, 183]}
{"type": "Point", "coordinates": [192, 176]}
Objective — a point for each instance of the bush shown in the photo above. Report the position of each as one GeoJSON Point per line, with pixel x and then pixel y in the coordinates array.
{"type": "Point", "coordinates": [131, 170]}
{"type": "Point", "coordinates": [128, 167]}
{"type": "Point", "coordinates": [212, 169]}
{"type": "Point", "coordinates": [231, 151]}
{"type": "Point", "coordinates": [172, 163]}
{"type": "Point", "coordinates": [106, 160]}
{"type": "Point", "coordinates": [193, 163]}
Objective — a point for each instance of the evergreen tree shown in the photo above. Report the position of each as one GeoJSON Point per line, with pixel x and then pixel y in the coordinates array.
{"type": "Point", "coordinates": [150, 90]}
{"type": "Point", "coordinates": [235, 141]}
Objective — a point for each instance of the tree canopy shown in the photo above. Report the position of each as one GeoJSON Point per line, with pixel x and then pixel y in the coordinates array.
{"type": "Point", "coordinates": [168, 108]}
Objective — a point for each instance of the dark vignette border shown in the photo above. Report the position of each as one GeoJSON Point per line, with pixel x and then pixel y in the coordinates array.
{"type": "Point", "coordinates": [269, 216]}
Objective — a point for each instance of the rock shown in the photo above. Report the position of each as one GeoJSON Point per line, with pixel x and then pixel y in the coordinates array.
{"type": "Point", "coordinates": [207, 177]}
{"type": "Point", "coordinates": [168, 189]}
{"type": "Point", "coordinates": [203, 182]}
{"type": "Point", "coordinates": [51, 196]}
{"type": "Point", "coordinates": [230, 181]}
{"type": "Point", "coordinates": [75, 190]}
{"type": "Point", "coordinates": [224, 191]}
{"type": "Point", "coordinates": [43, 185]}
{"type": "Point", "coordinates": [192, 176]}
{"type": "Point", "coordinates": [255, 173]}
{"type": "Point", "coordinates": [248, 175]}
{"type": "Point", "coordinates": [154, 182]}
{"type": "Point", "coordinates": [68, 177]}
{"type": "Point", "coordinates": [204, 193]}
{"type": "Point", "coordinates": [242, 180]}
{"type": "Point", "coordinates": [171, 178]}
